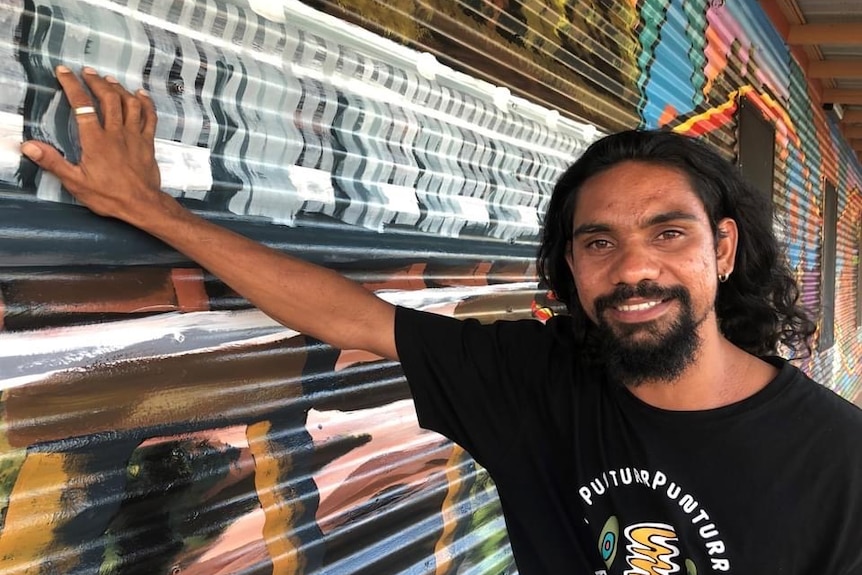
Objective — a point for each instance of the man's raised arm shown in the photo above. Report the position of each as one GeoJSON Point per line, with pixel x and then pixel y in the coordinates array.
{"type": "Point", "coordinates": [118, 177]}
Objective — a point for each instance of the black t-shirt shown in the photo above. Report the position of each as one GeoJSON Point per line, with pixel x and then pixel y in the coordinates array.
{"type": "Point", "coordinates": [592, 480]}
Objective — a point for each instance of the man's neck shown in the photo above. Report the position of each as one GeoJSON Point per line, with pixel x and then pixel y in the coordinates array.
{"type": "Point", "coordinates": [721, 374]}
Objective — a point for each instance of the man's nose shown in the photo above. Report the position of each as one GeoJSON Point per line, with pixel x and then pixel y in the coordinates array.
{"type": "Point", "coordinates": [634, 264]}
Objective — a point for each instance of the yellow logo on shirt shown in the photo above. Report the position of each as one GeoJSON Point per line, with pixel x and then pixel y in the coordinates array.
{"type": "Point", "coordinates": [652, 549]}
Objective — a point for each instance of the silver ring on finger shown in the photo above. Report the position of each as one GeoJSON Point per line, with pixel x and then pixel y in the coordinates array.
{"type": "Point", "coordinates": [83, 110]}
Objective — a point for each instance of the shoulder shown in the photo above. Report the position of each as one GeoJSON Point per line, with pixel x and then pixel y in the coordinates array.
{"type": "Point", "coordinates": [519, 348]}
{"type": "Point", "coordinates": [820, 410]}
{"type": "Point", "coordinates": [556, 331]}
{"type": "Point", "coordinates": [802, 384]}
{"type": "Point", "coordinates": [827, 401]}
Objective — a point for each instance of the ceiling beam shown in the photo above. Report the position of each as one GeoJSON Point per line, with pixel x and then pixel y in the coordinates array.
{"type": "Point", "coordinates": [856, 145]}
{"type": "Point", "coordinates": [852, 117]}
{"type": "Point", "coordinates": [853, 132]}
{"type": "Point", "coordinates": [835, 69]}
{"type": "Point", "coordinates": [839, 33]}
{"type": "Point", "coordinates": [846, 97]}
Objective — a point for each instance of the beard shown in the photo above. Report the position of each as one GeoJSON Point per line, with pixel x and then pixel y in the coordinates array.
{"type": "Point", "coordinates": [638, 353]}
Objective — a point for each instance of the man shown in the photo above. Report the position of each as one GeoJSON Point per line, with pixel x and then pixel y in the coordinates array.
{"type": "Point", "coordinates": [652, 432]}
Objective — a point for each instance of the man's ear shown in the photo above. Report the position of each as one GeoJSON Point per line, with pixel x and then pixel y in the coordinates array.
{"type": "Point", "coordinates": [725, 249]}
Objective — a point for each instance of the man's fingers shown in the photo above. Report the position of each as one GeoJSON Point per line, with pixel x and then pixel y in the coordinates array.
{"type": "Point", "coordinates": [132, 113]}
{"type": "Point", "coordinates": [148, 113]}
{"type": "Point", "coordinates": [72, 87]}
{"type": "Point", "coordinates": [79, 99]}
{"type": "Point", "coordinates": [131, 106]}
{"type": "Point", "coordinates": [109, 100]}
{"type": "Point", "coordinates": [48, 158]}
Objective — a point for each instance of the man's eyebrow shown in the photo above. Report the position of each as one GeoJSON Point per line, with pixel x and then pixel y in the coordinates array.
{"type": "Point", "coordinates": [662, 218]}
{"type": "Point", "coordinates": [590, 229]}
{"type": "Point", "coordinates": [666, 217]}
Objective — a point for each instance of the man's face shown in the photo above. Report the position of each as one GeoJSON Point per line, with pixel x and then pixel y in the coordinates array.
{"type": "Point", "coordinates": [645, 263]}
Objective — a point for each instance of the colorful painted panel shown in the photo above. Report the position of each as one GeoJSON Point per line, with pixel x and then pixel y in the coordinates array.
{"type": "Point", "coordinates": [152, 422]}
{"type": "Point", "coordinates": [694, 62]}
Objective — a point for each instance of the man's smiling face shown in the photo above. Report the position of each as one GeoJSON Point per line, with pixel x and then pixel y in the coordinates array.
{"type": "Point", "coordinates": [645, 262]}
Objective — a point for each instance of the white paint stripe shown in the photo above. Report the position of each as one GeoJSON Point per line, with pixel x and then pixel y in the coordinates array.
{"type": "Point", "coordinates": [273, 59]}
{"type": "Point", "coordinates": [135, 331]}
{"type": "Point", "coordinates": [11, 136]}
{"type": "Point", "coordinates": [184, 167]}
{"type": "Point", "coordinates": [378, 47]}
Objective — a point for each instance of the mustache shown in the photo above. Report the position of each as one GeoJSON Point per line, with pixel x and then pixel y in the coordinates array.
{"type": "Point", "coordinates": [644, 289]}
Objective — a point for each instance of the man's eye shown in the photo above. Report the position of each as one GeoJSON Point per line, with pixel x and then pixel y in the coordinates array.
{"type": "Point", "coordinates": [669, 234]}
{"type": "Point", "coordinates": [599, 244]}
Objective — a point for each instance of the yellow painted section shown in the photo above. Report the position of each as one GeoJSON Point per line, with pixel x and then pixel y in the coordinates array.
{"type": "Point", "coordinates": [11, 460]}
{"type": "Point", "coordinates": [442, 553]}
{"type": "Point", "coordinates": [35, 505]}
{"type": "Point", "coordinates": [5, 446]}
{"type": "Point", "coordinates": [281, 506]}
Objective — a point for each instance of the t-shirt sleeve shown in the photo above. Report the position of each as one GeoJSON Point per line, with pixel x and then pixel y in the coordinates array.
{"type": "Point", "coordinates": [472, 382]}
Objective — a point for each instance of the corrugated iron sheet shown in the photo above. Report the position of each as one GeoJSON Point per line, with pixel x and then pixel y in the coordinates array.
{"type": "Point", "coordinates": [577, 57]}
{"type": "Point", "coordinates": [801, 177]}
{"type": "Point", "coordinates": [153, 423]}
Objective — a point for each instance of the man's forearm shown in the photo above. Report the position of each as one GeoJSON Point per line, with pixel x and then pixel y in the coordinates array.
{"type": "Point", "coordinates": [303, 296]}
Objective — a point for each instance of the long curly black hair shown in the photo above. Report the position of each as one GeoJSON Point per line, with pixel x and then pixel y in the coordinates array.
{"type": "Point", "coordinates": [758, 308]}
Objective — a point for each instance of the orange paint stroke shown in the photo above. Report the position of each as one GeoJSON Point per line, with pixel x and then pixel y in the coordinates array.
{"type": "Point", "coordinates": [282, 509]}
{"type": "Point", "coordinates": [411, 468]}
{"type": "Point", "coordinates": [391, 428]}
{"type": "Point", "coordinates": [189, 289]}
{"type": "Point", "coordinates": [715, 57]}
{"type": "Point", "coordinates": [711, 119]}
{"type": "Point", "coordinates": [252, 557]}
{"type": "Point", "coordinates": [35, 506]}
{"type": "Point", "coordinates": [449, 511]}
{"type": "Point", "coordinates": [667, 115]}
{"type": "Point", "coordinates": [722, 114]}
{"type": "Point", "coordinates": [240, 545]}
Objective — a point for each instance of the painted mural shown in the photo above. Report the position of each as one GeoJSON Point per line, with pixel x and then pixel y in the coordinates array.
{"type": "Point", "coordinates": [151, 421]}
{"type": "Point", "coordinates": [686, 66]}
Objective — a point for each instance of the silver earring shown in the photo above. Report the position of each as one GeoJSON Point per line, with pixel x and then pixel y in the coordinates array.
{"type": "Point", "coordinates": [723, 277]}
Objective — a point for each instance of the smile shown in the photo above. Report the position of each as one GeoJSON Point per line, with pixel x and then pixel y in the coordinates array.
{"type": "Point", "coordinates": [638, 306]}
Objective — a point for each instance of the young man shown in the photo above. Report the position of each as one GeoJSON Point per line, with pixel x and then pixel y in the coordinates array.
{"type": "Point", "coordinates": [653, 431]}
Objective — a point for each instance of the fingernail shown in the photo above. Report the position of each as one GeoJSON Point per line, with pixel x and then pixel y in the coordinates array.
{"type": "Point", "coordinates": [62, 69]}
{"type": "Point", "coordinates": [88, 70]}
{"type": "Point", "coordinates": [32, 151]}
{"type": "Point", "coordinates": [144, 93]}
{"type": "Point", "coordinates": [112, 80]}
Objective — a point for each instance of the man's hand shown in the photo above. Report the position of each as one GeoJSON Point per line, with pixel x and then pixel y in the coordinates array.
{"type": "Point", "coordinates": [117, 168]}
{"type": "Point", "coordinates": [118, 176]}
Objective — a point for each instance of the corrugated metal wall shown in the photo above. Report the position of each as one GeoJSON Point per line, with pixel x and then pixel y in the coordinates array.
{"type": "Point", "coordinates": [141, 440]}
{"type": "Point", "coordinates": [153, 423]}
